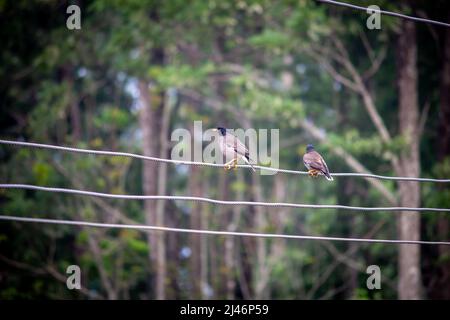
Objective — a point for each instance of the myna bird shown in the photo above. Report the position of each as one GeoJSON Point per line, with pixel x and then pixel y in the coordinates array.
{"type": "Point", "coordinates": [315, 164]}
{"type": "Point", "coordinates": [232, 148]}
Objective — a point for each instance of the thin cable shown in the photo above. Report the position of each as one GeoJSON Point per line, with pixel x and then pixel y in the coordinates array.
{"type": "Point", "coordinates": [214, 201]}
{"type": "Point", "coordinates": [388, 13]}
{"type": "Point", "coordinates": [211, 232]}
{"type": "Point", "coordinates": [197, 163]}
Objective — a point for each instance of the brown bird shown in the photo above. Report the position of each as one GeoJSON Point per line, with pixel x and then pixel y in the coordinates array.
{"type": "Point", "coordinates": [232, 148]}
{"type": "Point", "coordinates": [315, 164]}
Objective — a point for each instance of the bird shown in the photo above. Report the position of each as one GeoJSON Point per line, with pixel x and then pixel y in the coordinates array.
{"type": "Point", "coordinates": [315, 164]}
{"type": "Point", "coordinates": [232, 148]}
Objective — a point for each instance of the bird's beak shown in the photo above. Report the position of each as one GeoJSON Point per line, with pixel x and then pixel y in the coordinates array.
{"type": "Point", "coordinates": [214, 130]}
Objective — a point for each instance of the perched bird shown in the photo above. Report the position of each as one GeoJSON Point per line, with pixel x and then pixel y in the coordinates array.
{"type": "Point", "coordinates": [232, 148]}
{"type": "Point", "coordinates": [315, 164]}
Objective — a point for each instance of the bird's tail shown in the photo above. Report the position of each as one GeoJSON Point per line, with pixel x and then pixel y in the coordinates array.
{"type": "Point", "coordinates": [247, 160]}
{"type": "Point", "coordinates": [328, 176]}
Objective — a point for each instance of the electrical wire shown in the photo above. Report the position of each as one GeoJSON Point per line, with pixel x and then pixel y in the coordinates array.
{"type": "Point", "coordinates": [197, 163]}
{"type": "Point", "coordinates": [214, 201]}
{"type": "Point", "coordinates": [211, 232]}
{"type": "Point", "coordinates": [388, 13]}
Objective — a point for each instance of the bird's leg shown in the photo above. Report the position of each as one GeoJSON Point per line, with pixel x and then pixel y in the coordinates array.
{"type": "Point", "coordinates": [227, 166]}
{"type": "Point", "coordinates": [313, 173]}
{"type": "Point", "coordinates": [235, 164]}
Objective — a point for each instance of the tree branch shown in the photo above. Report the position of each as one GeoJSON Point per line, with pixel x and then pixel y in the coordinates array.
{"type": "Point", "coordinates": [362, 89]}
{"type": "Point", "coordinates": [48, 269]}
{"type": "Point", "coordinates": [423, 118]}
{"type": "Point", "coordinates": [343, 57]}
{"type": "Point", "coordinates": [376, 64]}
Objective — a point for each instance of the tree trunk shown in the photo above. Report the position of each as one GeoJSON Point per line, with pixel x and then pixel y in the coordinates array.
{"type": "Point", "coordinates": [160, 205]}
{"type": "Point", "coordinates": [261, 274]}
{"type": "Point", "coordinates": [195, 187]}
{"type": "Point", "coordinates": [222, 218]}
{"type": "Point", "coordinates": [229, 266]}
{"type": "Point", "coordinates": [444, 112]}
{"type": "Point", "coordinates": [75, 115]}
{"type": "Point", "coordinates": [409, 285]}
{"type": "Point", "coordinates": [149, 118]}
{"type": "Point", "coordinates": [204, 223]}
{"type": "Point", "coordinates": [230, 244]}
{"type": "Point", "coordinates": [444, 152]}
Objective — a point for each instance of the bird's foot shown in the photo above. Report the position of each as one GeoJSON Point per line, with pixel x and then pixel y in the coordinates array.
{"type": "Point", "coordinates": [312, 173]}
{"type": "Point", "coordinates": [228, 165]}
{"type": "Point", "coordinates": [234, 165]}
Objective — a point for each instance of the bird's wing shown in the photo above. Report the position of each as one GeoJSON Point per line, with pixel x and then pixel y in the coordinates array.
{"type": "Point", "coordinates": [326, 171]}
{"type": "Point", "coordinates": [233, 142]}
{"type": "Point", "coordinates": [314, 160]}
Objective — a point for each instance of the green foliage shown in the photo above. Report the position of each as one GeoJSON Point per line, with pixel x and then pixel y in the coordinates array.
{"type": "Point", "coordinates": [112, 117]}
{"type": "Point", "coordinates": [352, 141]}
{"type": "Point", "coordinates": [42, 172]}
{"type": "Point", "coordinates": [270, 39]}
{"type": "Point", "coordinates": [181, 76]}
{"type": "Point", "coordinates": [438, 196]}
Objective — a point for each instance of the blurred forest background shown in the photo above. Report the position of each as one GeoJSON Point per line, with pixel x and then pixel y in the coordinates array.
{"type": "Point", "coordinates": [370, 100]}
